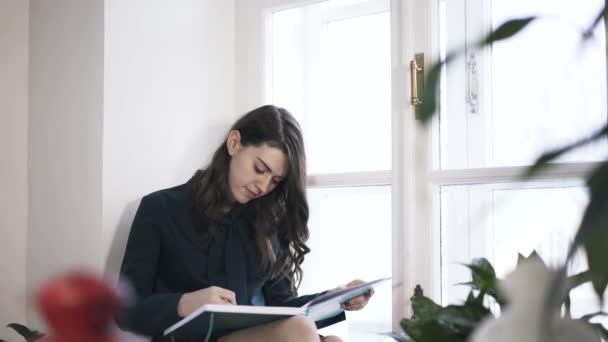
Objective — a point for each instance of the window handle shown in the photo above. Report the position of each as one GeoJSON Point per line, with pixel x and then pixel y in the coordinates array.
{"type": "Point", "coordinates": [416, 81]}
{"type": "Point", "coordinates": [472, 97]}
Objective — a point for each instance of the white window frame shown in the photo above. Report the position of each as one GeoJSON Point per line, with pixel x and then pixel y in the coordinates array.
{"type": "Point", "coordinates": [254, 67]}
{"type": "Point", "coordinates": [424, 228]}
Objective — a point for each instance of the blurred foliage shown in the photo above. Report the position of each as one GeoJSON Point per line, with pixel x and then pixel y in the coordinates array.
{"type": "Point", "coordinates": [453, 323]}
{"type": "Point", "coordinates": [431, 322]}
{"type": "Point", "coordinates": [28, 335]}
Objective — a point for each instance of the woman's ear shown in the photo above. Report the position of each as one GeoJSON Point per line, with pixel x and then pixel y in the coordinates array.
{"type": "Point", "coordinates": [233, 142]}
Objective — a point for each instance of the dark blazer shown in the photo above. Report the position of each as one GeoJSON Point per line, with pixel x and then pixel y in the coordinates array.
{"type": "Point", "coordinates": [166, 257]}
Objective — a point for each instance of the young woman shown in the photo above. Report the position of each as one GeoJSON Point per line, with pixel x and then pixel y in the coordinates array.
{"type": "Point", "coordinates": [235, 233]}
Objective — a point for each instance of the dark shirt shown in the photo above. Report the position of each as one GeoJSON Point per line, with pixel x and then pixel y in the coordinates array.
{"type": "Point", "coordinates": [166, 257]}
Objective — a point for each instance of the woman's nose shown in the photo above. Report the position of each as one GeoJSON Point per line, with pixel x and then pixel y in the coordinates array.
{"type": "Point", "coordinates": [264, 184]}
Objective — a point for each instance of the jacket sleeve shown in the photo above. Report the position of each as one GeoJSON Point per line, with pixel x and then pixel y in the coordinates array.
{"type": "Point", "coordinates": [281, 293]}
{"type": "Point", "coordinates": [149, 313]}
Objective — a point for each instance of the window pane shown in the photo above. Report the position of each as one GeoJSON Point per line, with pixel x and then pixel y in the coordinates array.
{"type": "Point", "coordinates": [547, 94]}
{"type": "Point", "coordinates": [538, 90]}
{"type": "Point", "coordinates": [335, 77]}
{"type": "Point", "coordinates": [498, 221]}
{"type": "Point", "coordinates": [350, 238]}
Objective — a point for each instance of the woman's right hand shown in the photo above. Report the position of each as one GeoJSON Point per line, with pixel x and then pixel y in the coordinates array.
{"type": "Point", "coordinates": [191, 301]}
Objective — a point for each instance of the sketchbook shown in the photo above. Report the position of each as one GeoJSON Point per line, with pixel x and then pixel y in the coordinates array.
{"type": "Point", "coordinates": [219, 319]}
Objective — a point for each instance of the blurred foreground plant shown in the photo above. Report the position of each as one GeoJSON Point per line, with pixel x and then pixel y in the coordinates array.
{"type": "Point", "coordinates": [77, 306]}
{"type": "Point", "coordinates": [456, 323]}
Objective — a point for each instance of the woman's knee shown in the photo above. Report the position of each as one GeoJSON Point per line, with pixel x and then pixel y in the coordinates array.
{"type": "Point", "coordinates": [300, 328]}
{"type": "Point", "coordinates": [294, 329]}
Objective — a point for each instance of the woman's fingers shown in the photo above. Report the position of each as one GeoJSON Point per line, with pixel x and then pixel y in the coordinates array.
{"type": "Point", "coordinates": [228, 297]}
{"type": "Point", "coordinates": [355, 282]}
{"type": "Point", "coordinates": [354, 304]}
{"type": "Point", "coordinates": [352, 307]}
{"type": "Point", "coordinates": [223, 296]}
{"type": "Point", "coordinates": [358, 303]}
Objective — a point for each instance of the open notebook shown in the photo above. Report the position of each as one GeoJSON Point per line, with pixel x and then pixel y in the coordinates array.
{"type": "Point", "coordinates": [219, 319]}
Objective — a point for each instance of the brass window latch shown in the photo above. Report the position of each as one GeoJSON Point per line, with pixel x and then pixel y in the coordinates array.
{"type": "Point", "coordinates": [416, 81]}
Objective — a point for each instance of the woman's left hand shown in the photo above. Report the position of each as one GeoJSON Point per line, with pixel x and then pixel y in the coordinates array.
{"type": "Point", "coordinates": [356, 303]}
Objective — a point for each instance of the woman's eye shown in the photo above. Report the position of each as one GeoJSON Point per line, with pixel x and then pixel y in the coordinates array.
{"type": "Point", "coordinates": [257, 170]}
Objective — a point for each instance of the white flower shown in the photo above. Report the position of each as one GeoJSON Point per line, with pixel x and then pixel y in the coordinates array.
{"type": "Point", "coordinates": [526, 289]}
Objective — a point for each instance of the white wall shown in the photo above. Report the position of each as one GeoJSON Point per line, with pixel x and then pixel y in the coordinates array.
{"type": "Point", "coordinates": [13, 161]}
{"type": "Point", "coordinates": [169, 99]}
{"type": "Point", "coordinates": [124, 97]}
{"type": "Point", "coordinates": [65, 137]}
{"type": "Point", "coordinates": [249, 49]}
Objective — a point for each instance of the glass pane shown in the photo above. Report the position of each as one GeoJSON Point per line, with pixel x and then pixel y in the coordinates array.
{"type": "Point", "coordinates": [498, 221]}
{"type": "Point", "coordinates": [350, 238]}
{"type": "Point", "coordinates": [335, 77]}
{"type": "Point", "coordinates": [538, 90]}
{"type": "Point", "coordinates": [547, 94]}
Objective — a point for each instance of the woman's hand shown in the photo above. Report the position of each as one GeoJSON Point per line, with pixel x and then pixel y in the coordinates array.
{"type": "Point", "coordinates": [191, 301]}
{"type": "Point", "coordinates": [356, 303]}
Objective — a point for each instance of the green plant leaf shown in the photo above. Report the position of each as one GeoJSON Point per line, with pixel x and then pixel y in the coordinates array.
{"type": "Point", "coordinates": [432, 78]}
{"type": "Point", "coordinates": [429, 95]}
{"type": "Point", "coordinates": [588, 33]}
{"type": "Point", "coordinates": [543, 161]}
{"type": "Point", "coordinates": [467, 283]}
{"type": "Point", "coordinates": [423, 325]}
{"type": "Point", "coordinates": [598, 327]}
{"type": "Point", "coordinates": [483, 274]}
{"type": "Point", "coordinates": [463, 318]}
{"type": "Point", "coordinates": [472, 301]}
{"type": "Point", "coordinates": [429, 331]}
{"type": "Point", "coordinates": [567, 306]}
{"type": "Point", "coordinates": [578, 279]}
{"type": "Point", "coordinates": [601, 330]}
{"type": "Point", "coordinates": [398, 336]}
{"type": "Point", "coordinates": [431, 89]}
{"type": "Point", "coordinates": [507, 30]}
{"type": "Point", "coordinates": [29, 335]}
{"type": "Point", "coordinates": [424, 308]}
{"type": "Point", "coordinates": [593, 232]}
{"type": "Point", "coordinates": [588, 317]}
{"type": "Point", "coordinates": [484, 280]}
{"type": "Point", "coordinates": [453, 323]}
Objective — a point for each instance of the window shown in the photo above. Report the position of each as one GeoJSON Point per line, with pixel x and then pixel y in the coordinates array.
{"type": "Point", "coordinates": [330, 64]}
{"type": "Point", "coordinates": [453, 190]}
{"type": "Point", "coordinates": [500, 109]}
{"type": "Point", "coordinates": [505, 105]}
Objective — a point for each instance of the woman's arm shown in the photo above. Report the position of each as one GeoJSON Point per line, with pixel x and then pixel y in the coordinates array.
{"type": "Point", "coordinates": [149, 313]}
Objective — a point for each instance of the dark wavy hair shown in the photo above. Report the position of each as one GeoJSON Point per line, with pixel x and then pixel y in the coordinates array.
{"type": "Point", "coordinates": [280, 216]}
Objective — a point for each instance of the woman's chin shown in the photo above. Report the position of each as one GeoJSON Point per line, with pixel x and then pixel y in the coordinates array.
{"type": "Point", "coordinates": [242, 199]}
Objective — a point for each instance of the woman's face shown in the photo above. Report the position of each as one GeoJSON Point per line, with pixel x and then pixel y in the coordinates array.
{"type": "Point", "coordinates": [254, 170]}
